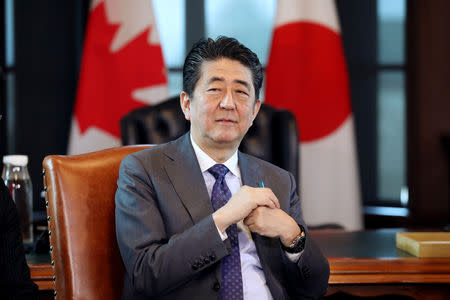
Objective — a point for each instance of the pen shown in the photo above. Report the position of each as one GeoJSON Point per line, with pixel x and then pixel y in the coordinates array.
{"type": "Point", "coordinates": [261, 184]}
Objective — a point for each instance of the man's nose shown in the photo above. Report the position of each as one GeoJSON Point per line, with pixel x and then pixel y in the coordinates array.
{"type": "Point", "coordinates": [227, 102]}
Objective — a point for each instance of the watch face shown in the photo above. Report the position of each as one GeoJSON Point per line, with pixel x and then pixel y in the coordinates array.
{"type": "Point", "coordinates": [301, 244]}
{"type": "Point", "coordinates": [298, 246]}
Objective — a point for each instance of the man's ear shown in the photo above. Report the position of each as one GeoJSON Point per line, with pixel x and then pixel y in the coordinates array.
{"type": "Point", "coordinates": [256, 109]}
{"type": "Point", "coordinates": [185, 103]}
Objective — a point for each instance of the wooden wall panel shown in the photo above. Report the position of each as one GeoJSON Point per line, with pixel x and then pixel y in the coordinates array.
{"type": "Point", "coordinates": [428, 44]}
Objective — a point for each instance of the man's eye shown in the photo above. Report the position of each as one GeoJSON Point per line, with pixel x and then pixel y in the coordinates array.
{"type": "Point", "coordinates": [213, 90]}
{"type": "Point", "coordinates": [242, 92]}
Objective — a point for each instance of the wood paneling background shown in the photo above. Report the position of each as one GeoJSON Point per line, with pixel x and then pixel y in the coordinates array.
{"type": "Point", "coordinates": [428, 94]}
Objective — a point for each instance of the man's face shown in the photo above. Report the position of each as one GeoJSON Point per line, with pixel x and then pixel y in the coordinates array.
{"type": "Point", "coordinates": [223, 105]}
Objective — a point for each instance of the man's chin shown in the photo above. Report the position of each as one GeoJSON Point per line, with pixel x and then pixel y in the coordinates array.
{"type": "Point", "coordinates": [227, 139]}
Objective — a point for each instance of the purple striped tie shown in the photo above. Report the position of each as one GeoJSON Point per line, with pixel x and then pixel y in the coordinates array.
{"type": "Point", "coordinates": [231, 264]}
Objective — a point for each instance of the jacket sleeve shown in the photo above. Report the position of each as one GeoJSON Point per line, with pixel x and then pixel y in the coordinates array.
{"type": "Point", "coordinates": [308, 277]}
{"type": "Point", "coordinates": [156, 262]}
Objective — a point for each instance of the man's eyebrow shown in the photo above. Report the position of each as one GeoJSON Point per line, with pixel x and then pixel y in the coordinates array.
{"type": "Point", "coordinates": [217, 78]}
{"type": "Point", "coordinates": [243, 82]}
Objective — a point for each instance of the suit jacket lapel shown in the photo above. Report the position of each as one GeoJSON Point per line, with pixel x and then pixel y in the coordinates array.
{"type": "Point", "coordinates": [251, 175]}
{"type": "Point", "coordinates": [184, 172]}
{"type": "Point", "coordinates": [249, 170]}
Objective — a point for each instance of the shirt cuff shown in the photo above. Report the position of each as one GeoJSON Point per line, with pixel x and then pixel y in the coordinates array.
{"type": "Point", "coordinates": [224, 235]}
{"type": "Point", "coordinates": [294, 257]}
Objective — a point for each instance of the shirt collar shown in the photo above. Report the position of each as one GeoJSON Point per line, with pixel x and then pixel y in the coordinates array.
{"type": "Point", "coordinates": [205, 161]}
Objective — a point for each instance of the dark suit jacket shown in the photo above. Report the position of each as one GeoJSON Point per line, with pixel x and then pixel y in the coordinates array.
{"type": "Point", "coordinates": [169, 242]}
{"type": "Point", "coordinates": [15, 282]}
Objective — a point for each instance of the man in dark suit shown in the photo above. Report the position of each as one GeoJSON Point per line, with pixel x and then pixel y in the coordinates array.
{"type": "Point", "coordinates": [193, 218]}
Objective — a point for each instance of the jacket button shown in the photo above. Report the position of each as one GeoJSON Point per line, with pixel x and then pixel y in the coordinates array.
{"type": "Point", "coordinates": [212, 257]}
{"type": "Point", "coordinates": [206, 260]}
{"type": "Point", "coordinates": [194, 267]}
{"type": "Point", "coordinates": [216, 286]}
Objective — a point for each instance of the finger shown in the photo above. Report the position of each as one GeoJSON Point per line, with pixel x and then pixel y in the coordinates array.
{"type": "Point", "coordinates": [268, 203]}
{"type": "Point", "coordinates": [261, 199]}
{"type": "Point", "coordinates": [271, 203]}
{"type": "Point", "coordinates": [273, 198]}
{"type": "Point", "coordinates": [270, 200]}
{"type": "Point", "coordinates": [270, 195]}
{"type": "Point", "coordinates": [251, 214]}
{"type": "Point", "coordinates": [250, 219]}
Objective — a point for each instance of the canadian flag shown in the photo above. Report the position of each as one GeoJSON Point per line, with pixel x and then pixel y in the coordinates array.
{"type": "Point", "coordinates": [307, 75]}
{"type": "Point", "coordinates": [122, 69]}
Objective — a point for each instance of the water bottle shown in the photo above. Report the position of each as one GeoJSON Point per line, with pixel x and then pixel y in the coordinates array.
{"type": "Point", "coordinates": [17, 179]}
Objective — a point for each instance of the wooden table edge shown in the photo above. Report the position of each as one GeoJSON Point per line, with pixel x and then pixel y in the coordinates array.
{"type": "Point", "coordinates": [388, 270]}
{"type": "Point", "coordinates": [42, 275]}
{"type": "Point", "coordinates": [343, 271]}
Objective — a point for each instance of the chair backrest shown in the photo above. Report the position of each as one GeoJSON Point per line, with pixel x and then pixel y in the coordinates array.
{"type": "Point", "coordinates": [80, 192]}
{"type": "Point", "coordinates": [273, 136]}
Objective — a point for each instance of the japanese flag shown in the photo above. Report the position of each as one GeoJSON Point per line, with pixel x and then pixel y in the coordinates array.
{"type": "Point", "coordinates": [307, 74]}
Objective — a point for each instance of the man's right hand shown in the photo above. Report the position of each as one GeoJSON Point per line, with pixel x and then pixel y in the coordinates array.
{"type": "Point", "coordinates": [242, 203]}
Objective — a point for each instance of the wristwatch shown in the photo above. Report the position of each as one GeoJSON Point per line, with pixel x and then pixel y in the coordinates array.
{"type": "Point", "coordinates": [298, 243]}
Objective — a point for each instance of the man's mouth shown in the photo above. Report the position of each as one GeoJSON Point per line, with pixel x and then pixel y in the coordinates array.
{"type": "Point", "coordinates": [226, 121]}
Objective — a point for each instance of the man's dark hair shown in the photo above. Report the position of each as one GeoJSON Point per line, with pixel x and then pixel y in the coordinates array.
{"type": "Point", "coordinates": [222, 47]}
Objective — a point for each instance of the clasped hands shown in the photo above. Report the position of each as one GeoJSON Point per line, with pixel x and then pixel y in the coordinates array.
{"type": "Point", "coordinates": [260, 210]}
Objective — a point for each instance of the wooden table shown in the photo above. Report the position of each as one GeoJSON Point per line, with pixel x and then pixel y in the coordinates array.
{"type": "Point", "coordinates": [369, 264]}
{"type": "Point", "coordinates": [363, 263]}
{"type": "Point", "coordinates": [41, 271]}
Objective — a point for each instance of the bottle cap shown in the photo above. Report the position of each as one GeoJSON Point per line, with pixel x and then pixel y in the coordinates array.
{"type": "Point", "coordinates": [17, 160]}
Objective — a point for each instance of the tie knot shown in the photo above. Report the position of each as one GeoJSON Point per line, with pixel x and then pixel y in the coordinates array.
{"type": "Point", "coordinates": [218, 171]}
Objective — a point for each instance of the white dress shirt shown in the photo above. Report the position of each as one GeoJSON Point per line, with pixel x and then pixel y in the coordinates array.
{"type": "Point", "coordinates": [253, 279]}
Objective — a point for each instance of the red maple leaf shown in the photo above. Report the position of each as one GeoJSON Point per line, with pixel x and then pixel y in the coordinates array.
{"type": "Point", "coordinates": [108, 79]}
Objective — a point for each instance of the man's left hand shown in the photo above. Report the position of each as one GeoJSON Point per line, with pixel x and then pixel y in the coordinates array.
{"type": "Point", "coordinates": [273, 222]}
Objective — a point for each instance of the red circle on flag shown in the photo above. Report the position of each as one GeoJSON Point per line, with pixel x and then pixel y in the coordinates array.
{"type": "Point", "coordinates": [307, 75]}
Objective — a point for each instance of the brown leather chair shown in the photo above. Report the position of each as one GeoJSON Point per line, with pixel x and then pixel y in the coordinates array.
{"type": "Point", "coordinates": [80, 192]}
